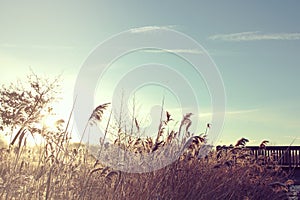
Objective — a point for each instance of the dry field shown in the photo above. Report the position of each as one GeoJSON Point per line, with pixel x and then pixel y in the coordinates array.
{"type": "Point", "coordinates": [59, 169]}
{"type": "Point", "coordinates": [62, 170]}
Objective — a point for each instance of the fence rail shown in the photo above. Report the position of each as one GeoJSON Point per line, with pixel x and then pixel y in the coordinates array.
{"type": "Point", "coordinates": [286, 156]}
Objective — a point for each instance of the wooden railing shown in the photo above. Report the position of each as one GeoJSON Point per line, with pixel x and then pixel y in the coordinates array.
{"type": "Point", "coordinates": [285, 156]}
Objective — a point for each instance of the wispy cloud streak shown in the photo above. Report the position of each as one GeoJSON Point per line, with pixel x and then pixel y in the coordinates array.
{"type": "Point", "coordinates": [23, 46]}
{"type": "Point", "coordinates": [235, 112]}
{"type": "Point", "coordinates": [254, 36]}
{"type": "Point", "coordinates": [150, 28]}
{"type": "Point", "coordinates": [189, 51]}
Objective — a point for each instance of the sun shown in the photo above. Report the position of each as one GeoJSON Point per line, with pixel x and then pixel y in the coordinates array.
{"type": "Point", "coordinates": [50, 121]}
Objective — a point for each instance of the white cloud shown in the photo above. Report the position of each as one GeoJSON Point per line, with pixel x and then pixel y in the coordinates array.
{"type": "Point", "coordinates": [150, 29]}
{"type": "Point", "coordinates": [34, 46]}
{"type": "Point", "coordinates": [190, 51]}
{"type": "Point", "coordinates": [235, 112]}
{"type": "Point", "coordinates": [254, 36]}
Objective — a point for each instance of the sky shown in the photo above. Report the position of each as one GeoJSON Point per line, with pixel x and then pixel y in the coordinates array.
{"type": "Point", "coordinates": [255, 47]}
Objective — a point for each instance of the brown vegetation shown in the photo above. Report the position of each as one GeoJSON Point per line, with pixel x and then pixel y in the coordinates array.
{"type": "Point", "coordinates": [61, 170]}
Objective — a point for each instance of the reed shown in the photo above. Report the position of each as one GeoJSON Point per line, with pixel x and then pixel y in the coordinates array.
{"type": "Point", "coordinates": [59, 169]}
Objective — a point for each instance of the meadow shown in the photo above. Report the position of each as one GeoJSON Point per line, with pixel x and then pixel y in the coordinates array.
{"type": "Point", "coordinates": [60, 169]}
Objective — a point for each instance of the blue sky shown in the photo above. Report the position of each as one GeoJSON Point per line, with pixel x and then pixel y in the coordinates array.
{"type": "Point", "coordinates": [255, 45]}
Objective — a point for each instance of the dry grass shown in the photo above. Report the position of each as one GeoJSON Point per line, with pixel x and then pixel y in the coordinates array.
{"type": "Point", "coordinates": [60, 170]}
{"type": "Point", "coordinates": [207, 178]}
{"type": "Point", "coordinates": [77, 178]}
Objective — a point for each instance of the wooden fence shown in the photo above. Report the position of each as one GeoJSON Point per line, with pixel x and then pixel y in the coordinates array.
{"type": "Point", "coordinates": [285, 156]}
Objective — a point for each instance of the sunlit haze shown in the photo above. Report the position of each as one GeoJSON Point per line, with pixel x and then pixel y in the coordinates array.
{"type": "Point", "coordinates": [255, 46]}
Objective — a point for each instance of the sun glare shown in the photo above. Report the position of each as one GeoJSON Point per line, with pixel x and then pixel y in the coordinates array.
{"type": "Point", "coordinates": [49, 121]}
